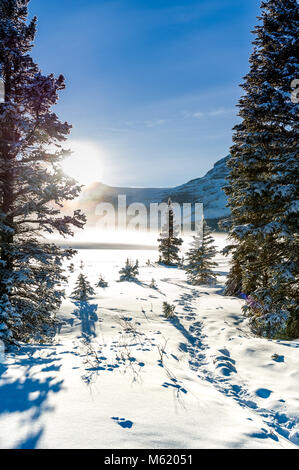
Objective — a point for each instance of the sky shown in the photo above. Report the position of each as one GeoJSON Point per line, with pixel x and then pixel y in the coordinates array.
{"type": "Point", "coordinates": [152, 85]}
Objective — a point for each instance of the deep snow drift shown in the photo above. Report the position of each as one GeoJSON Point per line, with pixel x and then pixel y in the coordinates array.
{"type": "Point", "coordinates": [119, 375]}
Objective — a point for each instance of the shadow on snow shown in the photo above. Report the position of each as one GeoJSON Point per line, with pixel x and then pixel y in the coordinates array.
{"type": "Point", "coordinates": [86, 313]}
{"type": "Point", "coordinates": [28, 393]}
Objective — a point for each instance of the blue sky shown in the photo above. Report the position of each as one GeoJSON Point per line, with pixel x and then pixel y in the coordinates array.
{"type": "Point", "coordinates": [153, 85]}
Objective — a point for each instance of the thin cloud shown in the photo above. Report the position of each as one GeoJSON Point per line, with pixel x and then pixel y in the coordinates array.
{"type": "Point", "coordinates": [146, 123]}
{"type": "Point", "coordinates": [213, 113]}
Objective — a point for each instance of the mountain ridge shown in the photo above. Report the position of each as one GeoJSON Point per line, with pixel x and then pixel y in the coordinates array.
{"type": "Point", "coordinates": [206, 189]}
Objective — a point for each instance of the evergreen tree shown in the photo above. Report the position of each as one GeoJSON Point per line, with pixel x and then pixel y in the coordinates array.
{"type": "Point", "coordinates": [263, 180]}
{"type": "Point", "coordinates": [32, 185]}
{"type": "Point", "coordinates": [153, 284]}
{"type": "Point", "coordinates": [169, 243]}
{"type": "Point", "coordinates": [101, 282]}
{"type": "Point", "coordinates": [233, 285]}
{"type": "Point", "coordinates": [168, 310]}
{"type": "Point", "coordinates": [130, 271]}
{"type": "Point", "coordinates": [199, 266]}
{"type": "Point", "coordinates": [241, 281]}
{"type": "Point", "coordinates": [83, 289]}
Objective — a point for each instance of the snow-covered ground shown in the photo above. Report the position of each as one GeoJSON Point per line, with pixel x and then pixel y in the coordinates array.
{"type": "Point", "coordinates": [119, 375]}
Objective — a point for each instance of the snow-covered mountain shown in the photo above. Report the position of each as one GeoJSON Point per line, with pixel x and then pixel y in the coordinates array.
{"type": "Point", "coordinates": [207, 190]}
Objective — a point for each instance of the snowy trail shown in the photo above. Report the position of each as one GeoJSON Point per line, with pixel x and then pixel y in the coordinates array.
{"type": "Point", "coordinates": [119, 375]}
{"type": "Point", "coordinates": [219, 368]}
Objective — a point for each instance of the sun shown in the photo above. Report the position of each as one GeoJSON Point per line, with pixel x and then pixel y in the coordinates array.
{"type": "Point", "coordinates": [85, 163]}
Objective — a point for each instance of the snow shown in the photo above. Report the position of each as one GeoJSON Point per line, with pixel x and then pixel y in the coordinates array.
{"type": "Point", "coordinates": [106, 383]}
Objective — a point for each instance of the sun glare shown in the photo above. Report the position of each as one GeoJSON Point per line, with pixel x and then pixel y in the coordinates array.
{"type": "Point", "coordinates": [86, 162]}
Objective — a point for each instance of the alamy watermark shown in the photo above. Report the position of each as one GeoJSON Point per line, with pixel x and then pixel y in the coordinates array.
{"type": "Point", "coordinates": [187, 217]}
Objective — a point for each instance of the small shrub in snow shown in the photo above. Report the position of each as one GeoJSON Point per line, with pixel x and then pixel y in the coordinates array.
{"type": "Point", "coordinates": [102, 283]}
{"type": "Point", "coordinates": [153, 284]}
{"type": "Point", "coordinates": [83, 289]}
{"type": "Point", "coordinates": [162, 351]}
{"type": "Point", "coordinates": [130, 271]}
{"type": "Point", "coordinates": [168, 310]}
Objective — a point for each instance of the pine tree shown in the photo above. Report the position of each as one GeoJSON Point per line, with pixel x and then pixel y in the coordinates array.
{"type": "Point", "coordinates": [130, 271]}
{"type": "Point", "coordinates": [83, 290]}
{"type": "Point", "coordinates": [199, 264]}
{"type": "Point", "coordinates": [233, 285]}
{"type": "Point", "coordinates": [263, 180]}
{"type": "Point", "coordinates": [101, 282]}
{"type": "Point", "coordinates": [240, 280]}
{"type": "Point", "coordinates": [169, 243]}
{"type": "Point", "coordinates": [153, 284]}
{"type": "Point", "coordinates": [32, 185]}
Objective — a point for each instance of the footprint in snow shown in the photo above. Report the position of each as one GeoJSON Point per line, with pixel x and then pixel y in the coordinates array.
{"type": "Point", "coordinates": [263, 392]}
{"type": "Point", "coordinates": [278, 358]}
{"type": "Point", "coordinates": [264, 434]}
{"type": "Point", "coordinates": [178, 387]}
{"type": "Point", "coordinates": [226, 369]}
{"type": "Point", "coordinates": [124, 423]}
{"type": "Point", "coordinates": [224, 358]}
{"type": "Point", "coordinates": [183, 347]}
{"type": "Point", "coordinates": [225, 352]}
{"type": "Point", "coordinates": [224, 363]}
